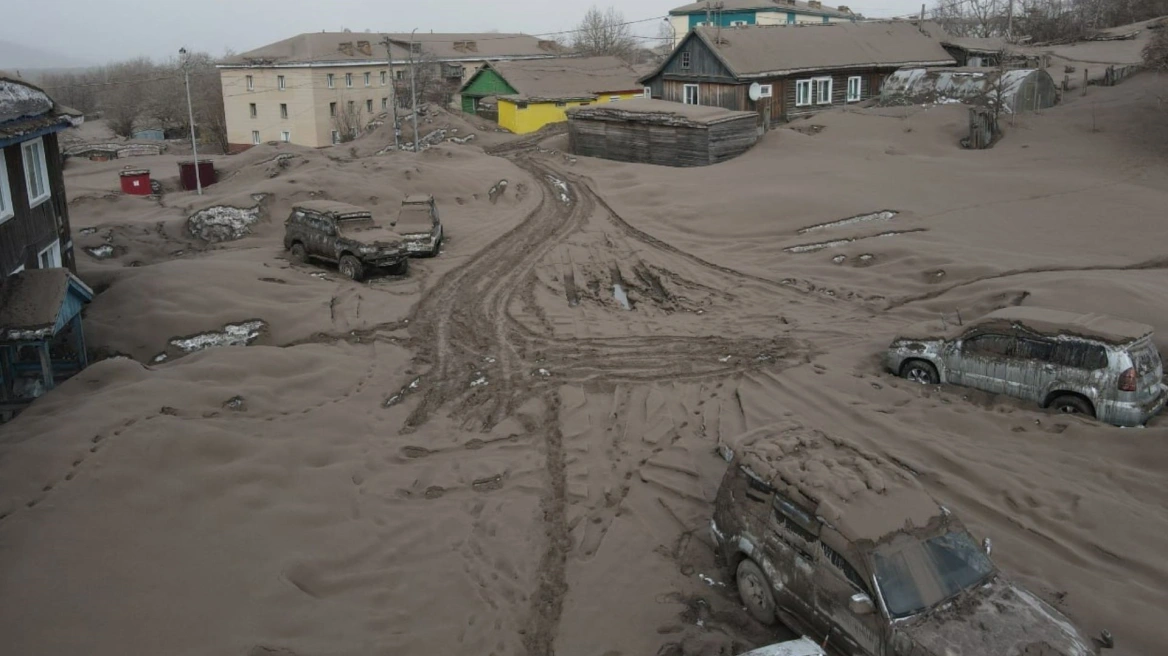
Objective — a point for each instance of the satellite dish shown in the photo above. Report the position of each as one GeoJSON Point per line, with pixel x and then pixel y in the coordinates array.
{"type": "Point", "coordinates": [755, 91]}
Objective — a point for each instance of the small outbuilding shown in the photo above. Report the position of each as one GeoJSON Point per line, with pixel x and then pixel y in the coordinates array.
{"type": "Point", "coordinates": [1020, 90]}
{"type": "Point", "coordinates": [661, 132]}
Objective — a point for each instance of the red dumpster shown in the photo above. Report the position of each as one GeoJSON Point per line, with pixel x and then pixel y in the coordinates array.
{"type": "Point", "coordinates": [186, 174]}
{"type": "Point", "coordinates": [136, 182]}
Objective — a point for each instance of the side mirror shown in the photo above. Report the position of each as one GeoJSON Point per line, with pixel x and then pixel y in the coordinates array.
{"type": "Point", "coordinates": [861, 604]}
{"type": "Point", "coordinates": [987, 545]}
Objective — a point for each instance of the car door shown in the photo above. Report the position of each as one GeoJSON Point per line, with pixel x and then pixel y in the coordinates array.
{"type": "Point", "coordinates": [836, 582]}
{"type": "Point", "coordinates": [1032, 368]}
{"type": "Point", "coordinates": [791, 545]}
{"type": "Point", "coordinates": [982, 361]}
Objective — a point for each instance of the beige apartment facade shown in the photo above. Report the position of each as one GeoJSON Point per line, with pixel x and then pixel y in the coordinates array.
{"type": "Point", "coordinates": [312, 88]}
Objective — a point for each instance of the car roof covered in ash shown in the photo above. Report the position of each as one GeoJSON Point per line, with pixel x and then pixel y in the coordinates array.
{"type": "Point", "coordinates": [417, 199]}
{"type": "Point", "coordinates": [1043, 321]}
{"type": "Point", "coordinates": [860, 495]}
{"type": "Point", "coordinates": [331, 207]}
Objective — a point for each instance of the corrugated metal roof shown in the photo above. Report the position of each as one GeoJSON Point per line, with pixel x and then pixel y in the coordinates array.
{"type": "Point", "coordinates": [757, 51]}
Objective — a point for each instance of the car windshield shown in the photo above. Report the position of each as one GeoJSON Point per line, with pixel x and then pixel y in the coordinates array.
{"type": "Point", "coordinates": [915, 575]}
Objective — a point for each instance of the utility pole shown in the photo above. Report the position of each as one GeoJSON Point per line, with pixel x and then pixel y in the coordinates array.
{"type": "Point", "coordinates": [413, 91]}
{"type": "Point", "coordinates": [1009, 20]}
{"type": "Point", "coordinates": [395, 128]}
{"type": "Point", "coordinates": [191, 116]}
{"type": "Point", "coordinates": [922, 11]}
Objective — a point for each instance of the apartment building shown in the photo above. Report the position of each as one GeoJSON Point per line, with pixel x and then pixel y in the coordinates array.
{"type": "Point", "coordinates": [312, 88]}
{"type": "Point", "coordinates": [740, 13]}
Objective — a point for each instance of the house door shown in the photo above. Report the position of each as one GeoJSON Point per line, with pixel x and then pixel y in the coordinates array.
{"type": "Point", "coordinates": [690, 94]}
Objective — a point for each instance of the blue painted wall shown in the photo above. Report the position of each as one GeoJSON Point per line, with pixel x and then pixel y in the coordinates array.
{"type": "Point", "coordinates": [727, 18]}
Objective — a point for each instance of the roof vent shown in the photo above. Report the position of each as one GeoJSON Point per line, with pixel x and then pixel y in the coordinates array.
{"type": "Point", "coordinates": [365, 47]}
{"type": "Point", "coordinates": [346, 47]}
{"type": "Point", "coordinates": [844, 9]}
{"type": "Point", "coordinates": [815, 4]}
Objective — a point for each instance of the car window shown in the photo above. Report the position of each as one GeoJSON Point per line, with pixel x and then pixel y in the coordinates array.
{"type": "Point", "coordinates": [994, 346]}
{"type": "Point", "coordinates": [843, 567]}
{"type": "Point", "coordinates": [1034, 349]}
{"type": "Point", "coordinates": [1079, 355]}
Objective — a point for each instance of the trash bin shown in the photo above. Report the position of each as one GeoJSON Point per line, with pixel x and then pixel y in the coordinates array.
{"type": "Point", "coordinates": [136, 182]}
{"type": "Point", "coordinates": [186, 174]}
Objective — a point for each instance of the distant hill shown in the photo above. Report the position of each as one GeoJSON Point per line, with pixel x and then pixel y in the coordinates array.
{"type": "Point", "coordinates": [19, 57]}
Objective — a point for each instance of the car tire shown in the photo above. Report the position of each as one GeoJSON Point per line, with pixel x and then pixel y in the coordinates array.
{"type": "Point", "coordinates": [920, 372]}
{"type": "Point", "coordinates": [351, 268]}
{"type": "Point", "coordinates": [299, 253]}
{"type": "Point", "coordinates": [401, 268]}
{"type": "Point", "coordinates": [755, 591]}
{"type": "Point", "coordinates": [1072, 405]}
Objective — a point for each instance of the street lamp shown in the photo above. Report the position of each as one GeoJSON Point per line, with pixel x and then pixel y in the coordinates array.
{"type": "Point", "coordinates": [413, 90]}
{"type": "Point", "coordinates": [673, 30]}
{"type": "Point", "coordinates": [191, 116]}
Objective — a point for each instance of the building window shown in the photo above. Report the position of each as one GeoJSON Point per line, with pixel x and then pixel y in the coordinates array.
{"type": "Point", "coordinates": [613, 98]}
{"type": "Point", "coordinates": [520, 105]}
{"type": "Point", "coordinates": [766, 90]}
{"type": "Point", "coordinates": [250, 83]}
{"type": "Point", "coordinates": [383, 78]}
{"type": "Point", "coordinates": [251, 109]}
{"type": "Point", "coordinates": [369, 106]}
{"type": "Point", "coordinates": [336, 137]}
{"type": "Point", "coordinates": [561, 103]}
{"type": "Point", "coordinates": [854, 88]}
{"type": "Point", "coordinates": [416, 48]}
{"type": "Point", "coordinates": [331, 80]}
{"type": "Point", "coordinates": [822, 90]}
{"type": "Point", "coordinates": [332, 109]}
{"type": "Point", "coordinates": [348, 79]}
{"type": "Point", "coordinates": [255, 137]}
{"type": "Point", "coordinates": [36, 171]}
{"type": "Point", "coordinates": [280, 82]}
{"type": "Point", "coordinates": [401, 75]}
{"type": "Point", "coordinates": [283, 110]}
{"type": "Point", "coordinates": [285, 136]}
{"type": "Point", "coordinates": [685, 59]}
{"type": "Point", "coordinates": [802, 93]}
{"type": "Point", "coordinates": [385, 103]}
{"type": "Point", "coordinates": [352, 106]}
{"type": "Point", "coordinates": [368, 77]}
{"type": "Point", "coordinates": [738, 23]}
{"type": "Point", "coordinates": [6, 211]}
{"type": "Point", "coordinates": [647, 93]}
{"type": "Point", "coordinates": [50, 258]}
{"type": "Point", "coordinates": [690, 94]}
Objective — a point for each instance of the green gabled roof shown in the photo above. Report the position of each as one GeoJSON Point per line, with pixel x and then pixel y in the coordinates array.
{"type": "Point", "coordinates": [487, 82]}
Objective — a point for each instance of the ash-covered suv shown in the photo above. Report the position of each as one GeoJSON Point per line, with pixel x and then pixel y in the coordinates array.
{"type": "Point", "coordinates": [345, 234]}
{"type": "Point", "coordinates": [848, 549]}
{"type": "Point", "coordinates": [419, 225]}
{"type": "Point", "coordinates": [1092, 364]}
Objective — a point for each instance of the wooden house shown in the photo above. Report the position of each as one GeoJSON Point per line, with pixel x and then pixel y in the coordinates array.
{"type": "Point", "coordinates": [532, 94]}
{"type": "Point", "coordinates": [34, 215]}
{"type": "Point", "coordinates": [659, 132]}
{"type": "Point", "coordinates": [794, 70]}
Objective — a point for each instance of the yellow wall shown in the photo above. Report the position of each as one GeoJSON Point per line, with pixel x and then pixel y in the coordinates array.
{"type": "Point", "coordinates": [537, 115]}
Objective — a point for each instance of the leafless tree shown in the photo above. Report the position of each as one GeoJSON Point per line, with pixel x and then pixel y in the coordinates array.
{"type": "Point", "coordinates": [348, 120]}
{"type": "Point", "coordinates": [1043, 20]}
{"type": "Point", "coordinates": [604, 33]}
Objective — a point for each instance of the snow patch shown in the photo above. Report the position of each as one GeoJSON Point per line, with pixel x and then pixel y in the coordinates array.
{"type": "Point", "coordinates": [233, 334]}
{"type": "Point", "coordinates": [222, 223]}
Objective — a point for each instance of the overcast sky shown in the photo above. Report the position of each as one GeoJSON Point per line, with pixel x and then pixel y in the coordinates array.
{"type": "Point", "coordinates": [105, 30]}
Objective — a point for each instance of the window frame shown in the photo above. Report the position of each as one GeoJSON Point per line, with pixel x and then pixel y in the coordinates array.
{"type": "Point", "coordinates": [385, 103]}
{"type": "Point", "coordinates": [766, 90]}
{"type": "Point", "coordinates": [697, 94]}
{"type": "Point", "coordinates": [42, 167]}
{"type": "Point", "coordinates": [369, 105]}
{"type": "Point", "coordinates": [250, 82]}
{"type": "Point", "coordinates": [819, 86]}
{"type": "Point", "coordinates": [330, 80]}
{"type": "Point", "coordinates": [647, 92]}
{"type": "Point", "coordinates": [255, 138]}
{"type": "Point", "coordinates": [384, 78]}
{"type": "Point", "coordinates": [281, 83]}
{"type": "Point", "coordinates": [368, 79]}
{"type": "Point", "coordinates": [283, 110]}
{"type": "Point", "coordinates": [348, 80]}
{"type": "Point", "coordinates": [53, 248]}
{"type": "Point", "coordinates": [285, 136]}
{"type": "Point", "coordinates": [859, 80]}
{"type": "Point", "coordinates": [806, 88]}
{"type": "Point", "coordinates": [685, 59]}
{"type": "Point", "coordinates": [336, 136]}
{"type": "Point", "coordinates": [7, 211]}
{"type": "Point", "coordinates": [333, 108]}
{"type": "Point", "coordinates": [253, 111]}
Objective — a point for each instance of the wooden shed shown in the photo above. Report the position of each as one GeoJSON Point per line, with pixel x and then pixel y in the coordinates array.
{"type": "Point", "coordinates": [661, 132]}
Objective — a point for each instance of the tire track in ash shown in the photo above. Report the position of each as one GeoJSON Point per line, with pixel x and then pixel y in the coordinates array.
{"type": "Point", "coordinates": [484, 363]}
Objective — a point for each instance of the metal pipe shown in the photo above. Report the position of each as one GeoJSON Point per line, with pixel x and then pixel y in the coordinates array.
{"type": "Point", "coordinates": [191, 115]}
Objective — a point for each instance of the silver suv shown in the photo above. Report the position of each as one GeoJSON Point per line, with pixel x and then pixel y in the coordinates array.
{"type": "Point", "coordinates": [1090, 364]}
{"type": "Point", "coordinates": [847, 549]}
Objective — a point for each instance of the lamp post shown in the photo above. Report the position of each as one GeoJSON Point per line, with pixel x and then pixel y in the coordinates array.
{"type": "Point", "coordinates": [413, 90]}
{"type": "Point", "coordinates": [672, 30]}
{"type": "Point", "coordinates": [191, 116]}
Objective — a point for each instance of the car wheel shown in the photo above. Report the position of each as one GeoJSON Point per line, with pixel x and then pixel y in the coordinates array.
{"type": "Point", "coordinates": [350, 267]}
{"type": "Point", "coordinates": [921, 372]}
{"type": "Point", "coordinates": [1072, 405]}
{"type": "Point", "coordinates": [299, 253]}
{"type": "Point", "coordinates": [401, 268]}
{"type": "Point", "coordinates": [755, 591]}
